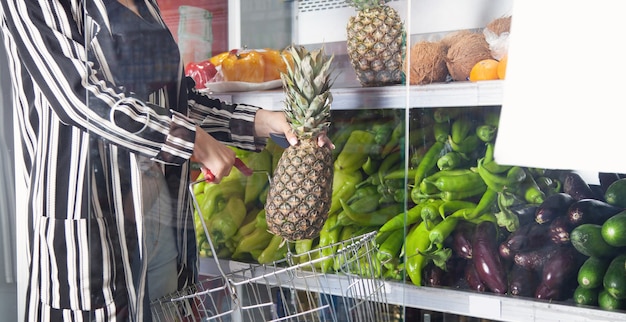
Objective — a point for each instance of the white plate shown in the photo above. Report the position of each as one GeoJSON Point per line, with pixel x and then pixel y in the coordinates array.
{"type": "Point", "coordinates": [223, 87]}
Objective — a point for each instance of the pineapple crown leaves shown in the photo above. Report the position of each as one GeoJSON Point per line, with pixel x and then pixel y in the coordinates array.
{"type": "Point", "coordinates": [366, 4]}
{"type": "Point", "coordinates": [307, 84]}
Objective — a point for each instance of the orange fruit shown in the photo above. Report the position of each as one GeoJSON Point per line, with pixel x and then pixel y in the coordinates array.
{"type": "Point", "coordinates": [502, 67]}
{"type": "Point", "coordinates": [486, 69]}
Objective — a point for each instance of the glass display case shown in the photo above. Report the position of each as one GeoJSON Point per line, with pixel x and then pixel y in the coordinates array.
{"type": "Point", "coordinates": [422, 219]}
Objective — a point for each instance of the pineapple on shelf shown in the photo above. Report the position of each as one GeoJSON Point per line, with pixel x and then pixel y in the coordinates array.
{"type": "Point", "coordinates": [299, 197]}
{"type": "Point", "coordinates": [376, 43]}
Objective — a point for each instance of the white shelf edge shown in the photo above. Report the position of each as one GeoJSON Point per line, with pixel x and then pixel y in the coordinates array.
{"type": "Point", "coordinates": [501, 307]}
{"type": "Point", "coordinates": [483, 93]}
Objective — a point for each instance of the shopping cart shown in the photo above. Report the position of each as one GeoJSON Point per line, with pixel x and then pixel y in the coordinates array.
{"type": "Point", "coordinates": [291, 289]}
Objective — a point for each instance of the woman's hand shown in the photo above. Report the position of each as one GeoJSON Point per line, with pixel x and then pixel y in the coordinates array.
{"type": "Point", "coordinates": [267, 122]}
{"type": "Point", "coordinates": [212, 155]}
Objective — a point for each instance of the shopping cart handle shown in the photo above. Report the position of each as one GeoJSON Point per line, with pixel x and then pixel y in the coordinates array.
{"type": "Point", "coordinates": [245, 170]}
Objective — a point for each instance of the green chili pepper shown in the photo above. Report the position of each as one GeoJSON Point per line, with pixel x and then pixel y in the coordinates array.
{"type": "Point", "coordinates": [413, 216]}
{"type": "Point", "coordinates": [340, 137]}
{"type": "Point", "coordinates": [500, 182]}
{"type": "Point", "coordinates": [373, 218]}
{"type": "Point", "coordinates": [275, 250]}
{"type": "Point", "coordinates": [430, 212]}
{"type": "Point", "coordinates": [446, 114]}
{"type": "Point", "coordinates": [355, 151]}
{"type": "Point", "coordinates": [303, 245]}
{"type": "Point", "coordinates": [460, 130]}
{"type": "Point", "coordinates": [257, 240]}
{"type": "Point", "coordinates": [392, 143]}
{"type": "Point", "coordinates": [390, 248]}
{"type": "Point", "coordinates": [370, 167]}
{"type": "Point", "coordinates": [447, 208]}
{"type": "Point", "coordinates": [495, 168]}
{"type": "Point", "coordinates": [256, 183]}
{"type": "Point", "coordinates": [452, 160]}
{"type": "Point", "coordinates": [363, 191]}
{"type": "Point", "coordinates": [459, 183]}
{"type": "Point", "coordinates": [225, 224]}
{"type": "Point", "coordinates": [448, 173]}
{"type": "Point", "coordinates": [516, 174]}
{"type": "Point", "coordinates": [400, 174]}
{"type": "Point", "coordinates": [460, 195]}
{"type": "Point", "coordinates": [486, 133]}
{"type": "Point", "coordinates": [388, 163]}
{"type": "Point", "coordinates": [364, 205]}
{"type": "Point", "coordinates": [339, 261]}
{"type": "Point", "coordinates": [487, 201]}
{"type": "Point", "coordinates": [429, 161]}
{"type": "Point", "coordinates": [531, 190]}
{"type": "Point", "coordinates": [441, 231]}
{"type": "Point", "coordinates": [342, 221]}
{"type": "Point", "coordinates": [441, 131]}
{"type": "Point", "coordinates": [328, 242]}
{"type": "Point", "coordinates": [492, 118]}
{"type": "Point", "coordinates": [428, 187]}
{"type": "Point", "coordinates": [216, 193]}
{"type": "Point", "coordinates": [468, 145]}
{"type": "Point", "coordinates": [344, 186]}
{"type": "Point", "coordinates": [417, 241]}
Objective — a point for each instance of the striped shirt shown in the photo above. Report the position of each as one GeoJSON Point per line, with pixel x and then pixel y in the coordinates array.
{"type": "Point", "coordinates": [82, 137]}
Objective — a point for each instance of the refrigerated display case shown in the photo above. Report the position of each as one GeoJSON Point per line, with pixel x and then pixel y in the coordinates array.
{"type": "Point", "coordinates": [426, 21]}
{"type": "Point", "coordinates": [307, 22]}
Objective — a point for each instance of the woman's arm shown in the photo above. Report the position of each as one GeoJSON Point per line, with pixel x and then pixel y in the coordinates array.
{"type": "Point", "coordinates": [59, 49]}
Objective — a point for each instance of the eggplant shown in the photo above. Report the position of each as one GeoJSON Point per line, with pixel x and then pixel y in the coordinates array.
{"type": "Point", "coordinates": [522, 282]}
{"type": "Point", "coordinates": [462, 239]}
{"type": "Point", "coordinates": [525, 213]}
{"type": "Point", "coordinates": [515, 241]}
{"type": "Point", "coordinates": [553, 206]}
{"type": "Point", "coordinates": [535, 259]}
{"type": "Point", "coordinates": [455, 271]}
{"type": "Point", "coordinates": [559, 230]}
{"type": "Point", "coordinates": [575, 186]}
{"type": "Point", "coordinates": [559, 270]}
{"type": "Point", "coordinates": [473, 280]}
{"type": "Point", "coordinates": [591, 211]}
{"type": "Point", "coordinates": [433, 275]}
{"type": "Point", "coordinates": [486, 258]}
{"type": "Point", "coordinates": [606, 178]}
{"type": "Point", "coordinates": [597, 191]}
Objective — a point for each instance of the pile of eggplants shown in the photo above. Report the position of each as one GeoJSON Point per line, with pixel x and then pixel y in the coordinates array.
{"type": "Point", "coordinates": [537, 259]}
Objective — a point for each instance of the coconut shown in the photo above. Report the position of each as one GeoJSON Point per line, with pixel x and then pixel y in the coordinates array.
{"type": "Point", "coordinates": [428, 64]}
{"type": "Point", "coordinates": [500, 25]}
{"type": "Point", "coordinates": [464, 53]}
{"type": "Point", "coordinates": [452, 38]}
{"type": "Point", "coordinates": [497, 36]}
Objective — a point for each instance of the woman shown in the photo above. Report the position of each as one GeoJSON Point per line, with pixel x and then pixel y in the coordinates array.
{"type": "Point", "coordinates": [108, 125]}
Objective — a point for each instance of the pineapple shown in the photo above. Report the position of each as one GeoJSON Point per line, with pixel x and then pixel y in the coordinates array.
{"type": "Point", "coordinates": [376, 43]}
{"type": "Point", "coordinates": [299, 196]}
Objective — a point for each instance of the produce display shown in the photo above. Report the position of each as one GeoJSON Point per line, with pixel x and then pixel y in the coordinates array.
{"type": "Point", "coordinates": [455, 218]}
{"type": "Point", "coordinates": [473, 55]}
{"type": "Point", "coordinates": [240, 65]}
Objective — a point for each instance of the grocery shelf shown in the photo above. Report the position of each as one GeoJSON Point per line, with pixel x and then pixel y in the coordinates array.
{"type": "Point", "coordinates": [464, 303]}
{"type": "Point", "coordinates": [481, 93]}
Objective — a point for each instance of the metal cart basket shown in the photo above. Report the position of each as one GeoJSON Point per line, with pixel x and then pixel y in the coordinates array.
{"type": "Point", "coordinates": [291, 289]}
